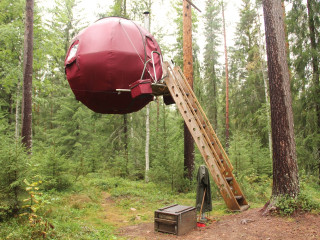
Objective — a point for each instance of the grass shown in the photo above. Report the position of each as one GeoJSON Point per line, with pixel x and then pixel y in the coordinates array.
{"type": "Point", "coordinates": [97, 206]}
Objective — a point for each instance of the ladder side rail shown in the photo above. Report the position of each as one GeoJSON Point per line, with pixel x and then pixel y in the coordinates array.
{"type": "Point", "coordinates": [204, 124]}
{"type": "Point", "coordinates": [207, 121]}
{"type": "Point", "coordinates": [188, 117]}
{"type": "Point", "coordinates": [199, 123]}
{"type": "Point", "coordinates": [228, 168]}
{"type": "Point", "coordinates": [201, 141]}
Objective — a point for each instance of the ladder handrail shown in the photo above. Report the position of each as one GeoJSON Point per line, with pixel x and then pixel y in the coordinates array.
{"type": "Point", "coordinates": [205, 138]}
{"type": "Point", "coordinates": [216, 155]}
{"type": "Point", "coordinates": [207, 121]}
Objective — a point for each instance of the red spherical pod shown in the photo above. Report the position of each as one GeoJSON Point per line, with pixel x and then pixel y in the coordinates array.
{"type": "Point", "coordinates": [106, 59]}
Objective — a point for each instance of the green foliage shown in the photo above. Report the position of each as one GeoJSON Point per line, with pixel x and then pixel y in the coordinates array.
{"type": "Point", "coordinates": [248, 104]}
{"type": "Point", "coordinates": [53, 168]}
{"type": "Point", "coordinates": [248, 155]}
{"type": "Point", "coordinates": [74, 149]}
{"type": "Point", "coordinates": [256, 188]}
{"type": "Point", "coordinates": [73, 215]}
{"type": "Point", "coordinates": [39, 227]}
{"type": "Point", "coordinates": [212, 72]}
{"type": "Point", "coordinates": [14, 163]}
{"type": "Point", "coordinates": [167, 151]}
{"type": "Point", "coordinates": [286, 205]}
{"type": "Point", "coordinates": [305, 84]}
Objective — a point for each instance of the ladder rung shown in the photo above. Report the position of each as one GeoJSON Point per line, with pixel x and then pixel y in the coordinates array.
{"type": "Point", "coordinates": [244, 207]}
{"type": "Point", "coordinates": [229, 179]}
{"type": "Point", "coordinates": [238, 197]}
{"type": "Point", "coordinates": [205, 138]}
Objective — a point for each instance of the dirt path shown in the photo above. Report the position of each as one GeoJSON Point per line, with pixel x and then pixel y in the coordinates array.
{"type": "Point", "coordinates": [249, 225]}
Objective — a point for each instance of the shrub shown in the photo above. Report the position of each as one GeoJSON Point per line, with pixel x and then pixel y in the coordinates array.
{"type": "Point", "coordinates": [286, 205]}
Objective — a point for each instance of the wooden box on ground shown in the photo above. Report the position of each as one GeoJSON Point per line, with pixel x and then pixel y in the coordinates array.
{"type": "Point", "coordinates": [175, 219]}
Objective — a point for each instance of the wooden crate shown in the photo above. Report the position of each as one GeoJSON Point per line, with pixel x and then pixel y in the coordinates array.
{"type": "Point", "coordinates": [175, 219]}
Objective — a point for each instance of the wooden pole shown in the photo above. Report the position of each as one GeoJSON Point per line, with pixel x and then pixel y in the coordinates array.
{"type": "Point", "coordinates": [188, 72]}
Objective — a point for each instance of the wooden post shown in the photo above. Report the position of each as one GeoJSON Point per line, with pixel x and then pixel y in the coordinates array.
{"type": "Point", "coordinates": [188, 72]}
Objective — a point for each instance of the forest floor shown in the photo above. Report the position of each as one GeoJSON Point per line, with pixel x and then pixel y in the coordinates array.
{"type": "Point", "coordinates": [249, 225]}
{"type": "Point", "coordinates": [100, 207]}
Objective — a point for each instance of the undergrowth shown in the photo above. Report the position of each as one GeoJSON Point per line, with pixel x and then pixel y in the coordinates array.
{"type": "Point", "coordinates": [97, 205]}
{"type": "Point", "coordinates": [287, 206]}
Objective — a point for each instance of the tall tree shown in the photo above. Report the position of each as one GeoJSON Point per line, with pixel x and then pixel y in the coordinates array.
{"type": "Point", "coordinates": [147, 26]}
{"type": "Point", "coordinates": [313, 10]}
{"type": "Point", "coordinates": [285, 169]}
{"type": "Point", "coordinates": [211, 55]}
{"type": "Point", "coordinates": [27, 77]}
{"type": "Point", "coordinates": [226, 74]}
{"type": "Point", "coordinates": [264, 76]}
{"type": "Point", "coordinates": [11, 57]}
{"type": "Point", "coordinates": [188, 72]}
{"type": "Point", "coordinates": [302, 87]}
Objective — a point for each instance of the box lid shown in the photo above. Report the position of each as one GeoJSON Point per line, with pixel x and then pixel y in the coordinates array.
{"type": "Point", "coordinates": [176, 209]}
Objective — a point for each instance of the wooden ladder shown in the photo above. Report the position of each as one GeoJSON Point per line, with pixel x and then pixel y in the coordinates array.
{"type": "Point", "coordinates": [204, 136]}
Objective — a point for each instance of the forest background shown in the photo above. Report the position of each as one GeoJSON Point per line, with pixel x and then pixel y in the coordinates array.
{"type": "Point", "coordinates": [74, 148]}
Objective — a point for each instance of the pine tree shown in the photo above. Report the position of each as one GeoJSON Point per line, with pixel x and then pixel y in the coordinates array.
{"type": "Point", "coordinates": [27, 77]}
{"type": "Point", "coordinates": [285, 169]}
{"type": "Point", "coordinates": [211, 55]}
{"type": "Point", "coordinates": [14, 168]}
{"type": "Point", "coordinates": [304, 85]}
{"type": "Point", "coordinates": [11, 56]}
{"type": "Point", "coordinates": [247, 90]}
{"type": "Point", "coordinates": [313, 22]}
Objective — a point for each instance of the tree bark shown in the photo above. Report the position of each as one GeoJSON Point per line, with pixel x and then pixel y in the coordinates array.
{"type": "Point", "coordinates": [227, 76]}
{"type": "Point", "coordinates": [215, 110]}
{"type": "Point", "coordinates": [188, 72]}
{"type": "Point", "coordinates": [125, 134]}
{"type": "Point", "coordinates": [315, 66]}
{"type": "Point", "coordinates": [147, 143]}
{"type": "Point", "coordinates": [147, 26]}
{"type": "Point", "coordinates": [27, 78]}
{"type": "Point", "coordinates": [285, 169]}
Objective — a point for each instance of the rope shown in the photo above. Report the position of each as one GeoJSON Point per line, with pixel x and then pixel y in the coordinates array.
{"type": "Point", "coordinates": [127, 35]}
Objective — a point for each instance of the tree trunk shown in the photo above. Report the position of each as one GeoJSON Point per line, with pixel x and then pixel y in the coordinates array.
{"type": "Point", "coordinates": [215, 110]}
{"type": "Point", "coordinates": [17, 111]}
{"type": "Point", "coordinates": [147, 143]}
{"type": "Point", "coordinates": [285, 169]}
{"type": "Point", "coordinates": [265, 81]}
{"type": "Point", "coordinates": [311, 4]}
{"type": "Point", "coordinates": [27, 78]}
{"type": "Point", "coordinates": [188, 72]}
{"type": "Point", "coordinates": [125, 134]}
{"type": "Point", "coordinates": [227, 76]}
{"type": "Point", "coordinates": [147, 26]}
